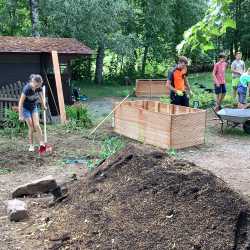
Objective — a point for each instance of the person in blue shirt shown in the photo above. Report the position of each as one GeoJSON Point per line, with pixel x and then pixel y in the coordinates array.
{"type": "Point", "coordinates": [242, 89]}
{"type": "Point", "coordinates": [28, 107]}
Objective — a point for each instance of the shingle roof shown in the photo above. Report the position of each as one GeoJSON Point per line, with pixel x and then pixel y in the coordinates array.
{"type": "Point", "coordinates": [42, 44]}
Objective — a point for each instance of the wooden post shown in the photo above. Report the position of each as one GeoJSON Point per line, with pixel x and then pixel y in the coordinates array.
{"type": "Point", "coordinates": [58, 79]}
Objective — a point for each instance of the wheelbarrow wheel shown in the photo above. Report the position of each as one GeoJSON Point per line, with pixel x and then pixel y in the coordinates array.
{"type": "Point", "coordinates": [246, 127]}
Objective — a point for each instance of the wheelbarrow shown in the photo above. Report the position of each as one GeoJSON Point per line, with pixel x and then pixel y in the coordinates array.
{"type": "Point", "coordinates": [233, 118]}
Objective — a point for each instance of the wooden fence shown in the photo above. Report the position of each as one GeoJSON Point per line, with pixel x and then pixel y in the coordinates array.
{"type": "Point", "coordinates": [9, 96]}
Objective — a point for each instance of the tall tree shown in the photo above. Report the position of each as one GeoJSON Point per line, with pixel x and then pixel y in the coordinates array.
{"type": "Point", "coordinates": [14, 17]}
{"type": "Point", "coordinates": [34, 17]}
{"type": "Point", "coordinates": [217, 21]}
{"type": "Point", "coordinates": [95, 22]}
{"type": "Point", "coordinates": [154, 26]}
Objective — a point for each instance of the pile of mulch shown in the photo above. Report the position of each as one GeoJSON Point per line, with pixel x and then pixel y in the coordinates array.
{"type": "Point", "coordinates": [145, 199]}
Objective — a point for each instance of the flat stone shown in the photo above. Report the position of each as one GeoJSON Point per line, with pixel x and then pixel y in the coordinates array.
{"type": "Point", "coordinates": [44, 185]}
{"type": "Point", "coordinates": [17, 210]}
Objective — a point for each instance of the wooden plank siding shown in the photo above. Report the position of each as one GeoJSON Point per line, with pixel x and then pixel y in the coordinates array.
{"type": "Point", "coordinates": [151, 88]}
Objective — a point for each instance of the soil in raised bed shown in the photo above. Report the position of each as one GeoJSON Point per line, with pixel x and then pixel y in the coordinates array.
{"type": "Point", "coordinates": [144, 199]}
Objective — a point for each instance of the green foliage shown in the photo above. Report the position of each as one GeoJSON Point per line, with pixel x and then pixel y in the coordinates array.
{"type": "Point", "coordinates": [15, 17]}
{"type": "Point", "coordinates": [12, 126]}
{"type": "Point", "coordinates": [5, 171]}
{"type": "Point", "coordinates": [165, 99]}
{"type": "Point", "coordinates": [78, 116]}
{"type": "Point", "coordinates": [171, 152]}
{"type": "Point", "coordinates": [217, 21]}
{"type": "Point", "coordinates": [110, 146]}
{"type": "Point", "coordinates": [204, 98]}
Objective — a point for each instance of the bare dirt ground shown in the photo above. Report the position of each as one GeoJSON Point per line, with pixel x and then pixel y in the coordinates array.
{"type": "Point", "coordinates": [225, 155]}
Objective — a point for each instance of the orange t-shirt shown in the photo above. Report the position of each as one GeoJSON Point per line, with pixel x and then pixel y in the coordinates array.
{"type": "Point", "coordinates": [179, 79]}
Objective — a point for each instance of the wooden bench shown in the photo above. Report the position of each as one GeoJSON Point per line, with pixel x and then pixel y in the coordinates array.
{"type": "Point", "coordinates": [151, 88]}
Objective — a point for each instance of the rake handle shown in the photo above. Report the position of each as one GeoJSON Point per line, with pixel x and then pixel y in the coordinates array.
{"type": "Point", "coordinates": [44, 118]}
{"type": "Point", "coordinates": [93, 131]}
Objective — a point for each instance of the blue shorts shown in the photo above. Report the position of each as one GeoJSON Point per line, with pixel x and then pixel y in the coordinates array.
{"type": "Point", "coordinates": [242, 94]}
{"type": "Point", "coordinates": [220, 90]}
{"type": "Point", "coordinates": [27, 114]}
{"type": "Point", "coordinates": [242, 98]}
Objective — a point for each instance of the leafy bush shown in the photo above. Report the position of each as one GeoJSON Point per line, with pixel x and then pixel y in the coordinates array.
{"type": "Point", "coordinates": [229, 100]}
{"type": "Point", "coordinates": [204, 98]}
{"type": "Point", "coordinates": [78, 116]}
{"type": "Point", "coordinates": [12, 126]}
{"type": "Point", "coordinates": [110, 146]}
{"type": "Point", "coordinates": [165, 99]}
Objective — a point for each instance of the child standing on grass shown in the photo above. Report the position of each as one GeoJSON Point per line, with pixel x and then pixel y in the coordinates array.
{"type": "Point", "coordinates": [238, 68]}
{"type": "Point", "coordinates": [28, 110]}
{"type": "Point", "coordinates": [242, 89]}
{"type": "Point", "coordinates": [219, 80]}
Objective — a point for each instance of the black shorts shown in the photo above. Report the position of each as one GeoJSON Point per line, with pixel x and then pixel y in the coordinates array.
{"type": "Point", "coordinates": [179, 100]}
{"type": "Point", "coordinates": [220, 90]}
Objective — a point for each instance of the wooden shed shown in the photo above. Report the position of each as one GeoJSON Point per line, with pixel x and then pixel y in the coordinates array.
{"type": "Point", "coordinates": [50, 57]}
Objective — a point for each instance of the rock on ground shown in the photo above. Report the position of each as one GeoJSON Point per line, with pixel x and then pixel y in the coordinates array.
{"type": "Point", "coordinates": [17, 210]}
{"type": "Point", "coordinates": [44, 185]}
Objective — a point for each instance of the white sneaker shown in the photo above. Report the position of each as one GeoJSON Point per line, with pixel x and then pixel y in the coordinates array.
{"type": "Point", "coordinates": [31, 148]}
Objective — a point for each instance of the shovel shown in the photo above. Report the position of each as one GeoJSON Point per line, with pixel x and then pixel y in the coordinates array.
{"type": "Point", "coordinates": [46, 148]}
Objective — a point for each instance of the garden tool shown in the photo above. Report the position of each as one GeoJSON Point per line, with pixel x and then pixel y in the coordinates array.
{"type": "Point", "coordinates": [116, 107]}
{"type": "Point", "coordinates": [179, 93]}
{"type": "Point", "coordinates": [45, 148]}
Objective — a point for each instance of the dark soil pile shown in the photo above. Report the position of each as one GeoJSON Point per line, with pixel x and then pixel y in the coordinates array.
{"type": "Point", "coordinates": [144, 199]}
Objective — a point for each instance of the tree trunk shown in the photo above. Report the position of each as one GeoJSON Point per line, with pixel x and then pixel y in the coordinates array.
{"type": "Point", "coordinates": [89, 68]}
{"type": "Point", "coordinates": [34, 17]}
{"type": "Point", "coordinates": [99, 64]}
{"type": "Point", "coordinates": [237, 21]}
{"type": "Point", "coordinates": [144, 60]}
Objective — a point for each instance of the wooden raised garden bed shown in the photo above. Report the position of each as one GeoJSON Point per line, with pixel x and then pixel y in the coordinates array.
{"type": "Point", "coordinates": [163, 125]}
{"type": "Point", "coordinates": [151, 88]}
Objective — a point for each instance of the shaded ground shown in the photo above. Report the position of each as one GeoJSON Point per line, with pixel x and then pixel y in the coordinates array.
{"type": "Point", "coordinates": [227, 156]}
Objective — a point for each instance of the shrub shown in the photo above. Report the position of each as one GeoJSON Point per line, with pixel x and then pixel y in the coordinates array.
{"type": "Point", "coordinates": [110, 146]}
{"type": "Point", "coordinates": [12, 126]}
{"type": "Point", "coordinates": [78, 116]}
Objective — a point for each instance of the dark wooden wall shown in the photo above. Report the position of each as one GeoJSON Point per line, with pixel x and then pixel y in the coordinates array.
{"type": "Point", "coordinates": [18, 67]}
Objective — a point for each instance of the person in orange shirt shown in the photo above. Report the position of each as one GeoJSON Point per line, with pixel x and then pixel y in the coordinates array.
{"type": "Point", "coordinates": [178, 84]}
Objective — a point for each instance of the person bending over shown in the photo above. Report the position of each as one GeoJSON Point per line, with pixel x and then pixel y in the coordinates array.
{"type": "Point", "coordinates": [178, 84]}
{"type": "Point", "coordinates": [28, 108]}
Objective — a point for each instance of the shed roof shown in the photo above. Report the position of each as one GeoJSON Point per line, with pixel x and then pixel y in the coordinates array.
{"type": "Point", "coordinates": [13, 44]}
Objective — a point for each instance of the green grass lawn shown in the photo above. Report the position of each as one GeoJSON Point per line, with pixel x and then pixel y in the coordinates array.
{"type": "Point", "coordinates": [117, 90]}
{"type": "Point", "coordinates": [93, 90]}
{"type": "Point", "coordinates": [207, 80]}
